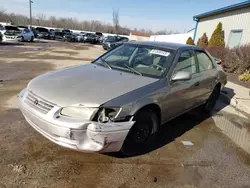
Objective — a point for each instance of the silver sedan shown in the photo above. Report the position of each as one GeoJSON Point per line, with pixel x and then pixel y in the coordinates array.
{"type": "Point", "coordinates": [118, 101]}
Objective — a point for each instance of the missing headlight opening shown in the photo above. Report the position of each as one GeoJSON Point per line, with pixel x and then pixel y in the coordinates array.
{"type": "Point", "coordinates": [102, 117]}
{"type": "Point", "coordinates": [106, 115]}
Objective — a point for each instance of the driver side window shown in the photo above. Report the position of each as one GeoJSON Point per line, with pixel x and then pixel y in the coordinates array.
{"type": "Point", "coordinates": [186, 63]}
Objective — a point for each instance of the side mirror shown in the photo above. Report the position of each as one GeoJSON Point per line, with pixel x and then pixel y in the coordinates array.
{"type": "Point", "coordinates": [182, 75]}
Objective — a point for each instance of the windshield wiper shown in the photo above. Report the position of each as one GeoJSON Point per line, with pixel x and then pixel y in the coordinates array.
{"type": "Point", "coordinates": [106, 63]}
{"type": "Point", "coordinates": [132, 69]}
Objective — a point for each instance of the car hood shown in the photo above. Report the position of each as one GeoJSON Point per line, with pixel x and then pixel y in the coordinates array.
{"type": "Point", "coordinates": [88, 85]}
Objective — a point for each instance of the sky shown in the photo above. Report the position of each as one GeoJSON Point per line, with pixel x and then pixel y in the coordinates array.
{"type": "Point", "coordinates": [176, 15]}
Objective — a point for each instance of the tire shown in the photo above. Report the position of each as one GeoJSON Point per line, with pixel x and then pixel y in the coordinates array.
{"type": "Point", "coordinates": [210, 103]}
{"type": "Point", "coordinates": [32, 39]}
{"type": "Point", "coordinates": [146, 124]}
{"type": "Point", "coordinates": [22, 39]}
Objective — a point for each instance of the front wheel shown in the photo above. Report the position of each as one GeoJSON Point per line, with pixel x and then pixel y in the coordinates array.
{"type": "Point", "coordinates": [210, 103]}
{"type": "Point", "coordinates": [146, 123]}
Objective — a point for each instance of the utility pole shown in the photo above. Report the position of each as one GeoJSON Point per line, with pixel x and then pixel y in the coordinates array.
{"type": "Point", "coordinates": [30, 2]}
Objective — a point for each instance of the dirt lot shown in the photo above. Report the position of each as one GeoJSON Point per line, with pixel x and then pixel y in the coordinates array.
{"type": "Point", "coordinates": [29, 160]}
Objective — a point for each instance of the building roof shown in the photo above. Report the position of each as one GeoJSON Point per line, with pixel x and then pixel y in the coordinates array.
{"type": "Point", "coordinates": [190, 30]}
{"type": "Point", "coordinates": [137, 33]}
{"type": "Point", "coordinates": [222, 10]}
{"type": "Point", "coordinates": [167, 45]}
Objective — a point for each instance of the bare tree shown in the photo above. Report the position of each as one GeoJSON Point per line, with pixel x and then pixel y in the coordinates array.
{"type": "Point", "coordinates": [2, 11]}
{"type": "Point", "coordinates": [166, 32]}
{"type": "Point", "coordinates": [3, 15]}
{"type": "Point", "coordinates": [73, 23]}
{"type": "Point", "coordinates": [116, 20]}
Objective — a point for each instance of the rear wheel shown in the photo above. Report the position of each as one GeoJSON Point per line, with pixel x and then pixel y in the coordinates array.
{"type": "Point", "coordinates": [209, 105]}
{"type": "Point", "coordinates": [146, 123]}
{"type": "Point", "coordinates": [32, 39]}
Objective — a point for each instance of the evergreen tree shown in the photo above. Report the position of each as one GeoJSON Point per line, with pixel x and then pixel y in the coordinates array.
{"type": "Point", "coordinates": [217, 38]}
{"type": "Point", "coordinates": [190, 41]}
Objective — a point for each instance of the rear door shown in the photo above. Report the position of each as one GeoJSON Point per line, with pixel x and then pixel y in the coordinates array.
{"type": "Point", "coordinates": [208, 74]}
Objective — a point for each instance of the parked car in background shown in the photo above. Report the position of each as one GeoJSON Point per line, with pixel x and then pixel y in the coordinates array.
{"type": "Point", "coordinates": [27, 35]}
{"type": "Point", "coordinates": [43, 33]}
{"type": "Point", "coordinates": [113, 41]}
{"type": "Point", "coordinates": [90, 38]}
{"type": "Point", "coordinates": [13, 33]}
{"type": "Point", "coordinates": [52, 35]}
{"type": "Point", "coordinates": [99, 37]}
{"type": "Point", "coordinates": [69, 37]}
{"type": "Point", "coordinates": [10, 33]}
{"type": "Point", "coordinates": [58, 35]}
{"type": "Point", "coordinates": [135, 89]}
{"type": "Point", "coordinates": [79, 37]}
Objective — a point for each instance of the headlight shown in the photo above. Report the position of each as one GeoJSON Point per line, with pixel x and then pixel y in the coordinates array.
{"type": "Point", "coordinates": [79, 112]}
{"type": "Point", "coordinates": [108, 114]}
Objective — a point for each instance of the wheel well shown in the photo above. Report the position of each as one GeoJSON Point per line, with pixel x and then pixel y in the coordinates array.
{"type": "Point", "coordinates": [154, 108]}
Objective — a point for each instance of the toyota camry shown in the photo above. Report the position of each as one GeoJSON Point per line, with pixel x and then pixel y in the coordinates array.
{"type": "Point", "coordinates": [116, 102]}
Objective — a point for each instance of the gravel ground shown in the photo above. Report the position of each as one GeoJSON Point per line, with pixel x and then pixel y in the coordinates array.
{"type": "Point", "coordinates": [29, 160]}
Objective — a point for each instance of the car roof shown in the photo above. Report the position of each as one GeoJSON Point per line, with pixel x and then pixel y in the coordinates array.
{"type": "Point", "coordinates": [167, 45]}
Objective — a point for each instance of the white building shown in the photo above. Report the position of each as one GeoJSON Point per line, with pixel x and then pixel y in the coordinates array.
{"type": "Point", "coordinates": [175, 38]}
{"type": "Point", "coordinates": [235, 21]}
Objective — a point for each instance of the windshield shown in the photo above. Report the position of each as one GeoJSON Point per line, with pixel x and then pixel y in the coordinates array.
{"type": "Point", "coordinates": [138, 59]}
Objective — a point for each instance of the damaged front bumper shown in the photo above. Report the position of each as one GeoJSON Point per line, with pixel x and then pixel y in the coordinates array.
{"type": "Point", "coordinates": [86, 136]}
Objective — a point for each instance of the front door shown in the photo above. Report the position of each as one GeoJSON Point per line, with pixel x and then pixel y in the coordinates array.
{"type": "Point", "coordinates": [183, 94]}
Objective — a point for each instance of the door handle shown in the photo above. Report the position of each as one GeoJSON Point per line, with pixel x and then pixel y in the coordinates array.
{"type": "Point", "coordinates": [197, 84]}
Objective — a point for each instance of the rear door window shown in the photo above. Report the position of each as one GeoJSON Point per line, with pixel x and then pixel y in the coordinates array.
{"type": "Point", "coordinates": [204, 62]}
